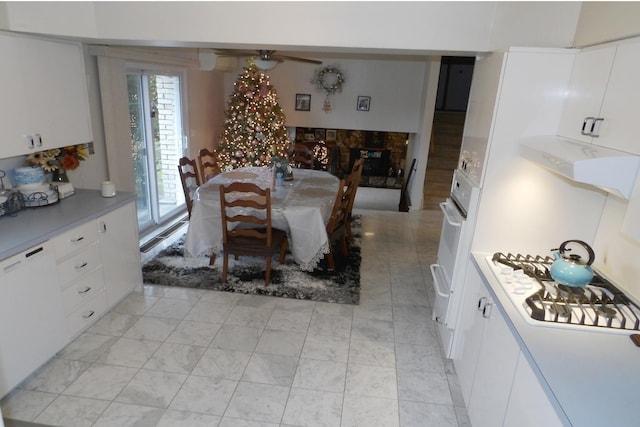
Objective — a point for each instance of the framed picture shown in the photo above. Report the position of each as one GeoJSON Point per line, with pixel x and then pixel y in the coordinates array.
{"type": "Point", "coordinates": [363, 103]}
{"type": "Point", "coordinates": [320, 134]}
{"type": "Point", "coordinates": [303, 102]}
{"type": "Point", "coordinates": [331, 135]}
{"type": "Point", "coordinates": [309, 136]}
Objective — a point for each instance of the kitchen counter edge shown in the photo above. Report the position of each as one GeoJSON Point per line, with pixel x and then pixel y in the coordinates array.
{"type": "Point", "coordinates": [33, 226]}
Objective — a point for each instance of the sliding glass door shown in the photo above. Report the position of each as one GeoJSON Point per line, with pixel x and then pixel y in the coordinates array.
{"type": "Point", "coordinates": [155, 111]}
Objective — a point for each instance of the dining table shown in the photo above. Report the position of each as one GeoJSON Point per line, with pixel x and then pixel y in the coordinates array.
{"type": "Point", "coordinates": [300, 206]}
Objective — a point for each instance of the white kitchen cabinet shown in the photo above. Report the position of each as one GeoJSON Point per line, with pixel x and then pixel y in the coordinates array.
{"type": "Point", "coordinates": [118, 235]}
{"type": "Point", "coordinates": [472, 327]}
{"type": "Point", "coordinates": [32, 322]}
{"type": "Point", "coordinates": [619, 129]}
{"type": "Point", "coordinates": [13, 107]}
{"type": "Point", "coordinates": [45, 95]}
{"type": "Point", "coordinates": [489, 356]}
{"type": "Point", "coordinates": [589, 77]}
{"type": "Point", "coordinates": [528, 403]}
{"type": "Point", "coordinates": [497, 360]}
{"type": "Point", "coordinates": [498, 385]}
{"type": "Point", "coordinates": [79, 268]}
{"type": "Point", "coordinates": [599, 108]}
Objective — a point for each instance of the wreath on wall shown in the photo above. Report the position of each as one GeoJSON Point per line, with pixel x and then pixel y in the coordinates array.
{"type": "Point", "coordinates": [328, 80]}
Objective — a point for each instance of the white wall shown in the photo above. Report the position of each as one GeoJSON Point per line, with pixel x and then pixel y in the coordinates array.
{"type": "Point", "coordinates": [419, 147]}
{"type": "Point", "coordinates": [205, 111]}
{"type": "Point", "coordinates": [395, 88]}
{"type": "Point", "coordinates": [600, 22]}
{"type": "Point", "coordinates": [534, 24]}
{"type": "Point", "coordinates": [525, 208]}
{"type": "Point", "coordinates": [339, 26]}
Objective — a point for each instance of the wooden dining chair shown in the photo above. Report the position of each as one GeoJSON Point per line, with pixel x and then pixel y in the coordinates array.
{"type": "Point", "coordinates": [208, 165]}
{"type": "Point", "coordinates": [190, 180]}
{"type": "Point", "coordinates": [353, 181]}
{"type": "Point", "coordinates": [337, 224]}
{"type": "Point", "coordinates": [249, 207]}
{"type": "Point", "coordinates": [302, 156]}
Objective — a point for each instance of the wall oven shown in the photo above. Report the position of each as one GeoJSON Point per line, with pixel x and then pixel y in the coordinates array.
{"type": "Point", "coordinates": [454, 249]}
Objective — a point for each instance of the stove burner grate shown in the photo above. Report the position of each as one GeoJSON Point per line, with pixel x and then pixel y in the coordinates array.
{"type": "Point", "coordinates": [598, 304]}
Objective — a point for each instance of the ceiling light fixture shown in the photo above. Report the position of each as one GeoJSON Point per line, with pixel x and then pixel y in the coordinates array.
{"type": "Point", "coordinates": [265, 64]}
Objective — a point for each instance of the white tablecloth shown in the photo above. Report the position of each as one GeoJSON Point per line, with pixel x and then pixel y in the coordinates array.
{"type": "Point", "coordinates": [300, 207]}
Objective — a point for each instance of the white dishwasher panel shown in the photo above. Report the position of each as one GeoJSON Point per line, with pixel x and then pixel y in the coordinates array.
{"type": "Point", "coordinates": [32, 322]}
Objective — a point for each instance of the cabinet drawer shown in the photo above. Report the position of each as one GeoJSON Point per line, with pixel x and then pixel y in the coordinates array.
{"type": "Point", "coordinates": [85, 315]}
{"type": "Point", "coordinates": [83, 290]}
{"type": "Point", "coordinates": [79, 264]}
{"type": "Point", "coordinates": [79, 237]}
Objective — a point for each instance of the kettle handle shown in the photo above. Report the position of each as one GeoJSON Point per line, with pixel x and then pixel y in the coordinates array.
{"type": "Point", "coordinates": [592, 255]}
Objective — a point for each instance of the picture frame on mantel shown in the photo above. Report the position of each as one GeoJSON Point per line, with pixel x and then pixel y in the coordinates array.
{"type": "Point", "coordinates": [331, 135]}
{"type": "Point", "coordinates": [303, 102]}
{"type": "Point", "coordinates": [363, 103]}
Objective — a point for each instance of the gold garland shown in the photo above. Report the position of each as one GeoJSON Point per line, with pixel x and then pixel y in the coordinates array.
{"type": "Point", "coordinates": [328, 87]}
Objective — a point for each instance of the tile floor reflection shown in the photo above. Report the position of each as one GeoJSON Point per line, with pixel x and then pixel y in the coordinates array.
{"type": "Point", "coordinates": [184, 357]}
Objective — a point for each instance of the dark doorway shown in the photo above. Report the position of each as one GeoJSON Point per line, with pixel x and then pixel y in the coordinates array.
{"type": "Point", "coordinates": [448, 124]}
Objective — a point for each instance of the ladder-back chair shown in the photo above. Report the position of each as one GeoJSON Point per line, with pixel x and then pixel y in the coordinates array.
{"type": "Point", "coordinates": [190, 180]}
{"type": "Point", "coordinates": [249, 207]}
{"type": "Point", "coordinates": [208, 165]}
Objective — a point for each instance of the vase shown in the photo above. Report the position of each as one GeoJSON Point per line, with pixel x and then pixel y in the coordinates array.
{"type": "Point", "coordinates": [59, 175]}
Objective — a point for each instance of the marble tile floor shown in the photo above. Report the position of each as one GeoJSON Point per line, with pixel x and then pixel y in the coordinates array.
{"type": "Point", "coordinates": [184, 357]}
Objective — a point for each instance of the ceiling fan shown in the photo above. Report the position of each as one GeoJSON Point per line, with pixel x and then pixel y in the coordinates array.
{"type": "Point", "coordinates": [265, 59]}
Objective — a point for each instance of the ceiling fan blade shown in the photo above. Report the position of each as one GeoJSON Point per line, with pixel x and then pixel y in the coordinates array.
{"type": "Point", "coordinates": [297, 59]}
{"type": "Point", "coordinates": [265, 55]}
{"type": "Point", "coordinates": [234, 53]}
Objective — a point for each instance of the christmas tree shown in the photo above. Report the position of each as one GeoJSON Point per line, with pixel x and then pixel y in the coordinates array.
{"type": "Point", "coordinates": [255, 123]}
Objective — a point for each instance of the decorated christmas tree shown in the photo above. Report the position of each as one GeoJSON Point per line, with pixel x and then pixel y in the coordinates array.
{"type": "Point", "coordinates": [255, 123]}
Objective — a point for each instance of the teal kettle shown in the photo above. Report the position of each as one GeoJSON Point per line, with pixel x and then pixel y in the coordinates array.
{"type": "Point", "coordinates": [571, 269]}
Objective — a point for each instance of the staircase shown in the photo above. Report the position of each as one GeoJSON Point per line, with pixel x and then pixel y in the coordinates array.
{"type": "Point", "coordinates": [443, 157]}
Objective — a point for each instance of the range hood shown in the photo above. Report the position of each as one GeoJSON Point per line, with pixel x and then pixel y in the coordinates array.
{"type": "Point", "coordinates": [611, 170]}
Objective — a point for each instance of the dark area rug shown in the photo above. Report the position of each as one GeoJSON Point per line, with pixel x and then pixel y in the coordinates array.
{"type": "Point", "coordinates": [246, 275]}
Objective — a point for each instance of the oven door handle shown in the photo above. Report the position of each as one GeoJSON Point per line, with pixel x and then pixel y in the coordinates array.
{"type": "Point", "coordinates": [450, 220]}
{"type": "Point", "coordinates": [433, 268]}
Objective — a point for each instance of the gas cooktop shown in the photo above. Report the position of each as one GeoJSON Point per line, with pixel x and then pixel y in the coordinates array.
{"type": "Point", "coordinates": [598, 306]}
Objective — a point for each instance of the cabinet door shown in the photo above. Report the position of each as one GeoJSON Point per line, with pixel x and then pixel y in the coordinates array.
{"type": "Point", "coordinates": [32, 323]}
{"type": "Point", "coordinates": [587, 86]}
{"type": "Point", "coordinates": [529, 405]}
{"type": "Point", "coordinates": [619, 129]}
{"type": "Point", "coordinates": [55, 89]}
{"type": "Point", "coordinates": [496, 367]}
{"type": "Point", "coordinates": [118, 234]}
{"type": "Point", "coordinates": [471, 327]}
{"type": "Point", "coordinates": [13, 106]}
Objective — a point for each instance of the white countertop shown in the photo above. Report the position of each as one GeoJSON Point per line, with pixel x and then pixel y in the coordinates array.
{"type": "Point", "coordinates": [594, 376]}
{"type": "Point", "coordinates": [33, 226]}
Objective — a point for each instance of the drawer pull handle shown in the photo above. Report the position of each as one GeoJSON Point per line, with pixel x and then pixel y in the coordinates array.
{"type": "Point", "coordinates": [77, 239]}
{"type": "Point", "coordinates": [89, 314]}
{"type": "Point", "coordinates": [39, 137]}
{"type": "Point", "coordinates": [486, 311]}
{"type": "Point", "coordinates": [481, 303]}
{"type": "Point", "coordinates": [81, 266]}
{"type": "Point", "coordinates": [85, 290]}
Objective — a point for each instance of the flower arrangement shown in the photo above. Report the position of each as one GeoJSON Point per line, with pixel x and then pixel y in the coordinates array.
{"type": "Point", "coordinates": [59, 159]}
{"type": "Point", "coordinates": [281, 166]}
